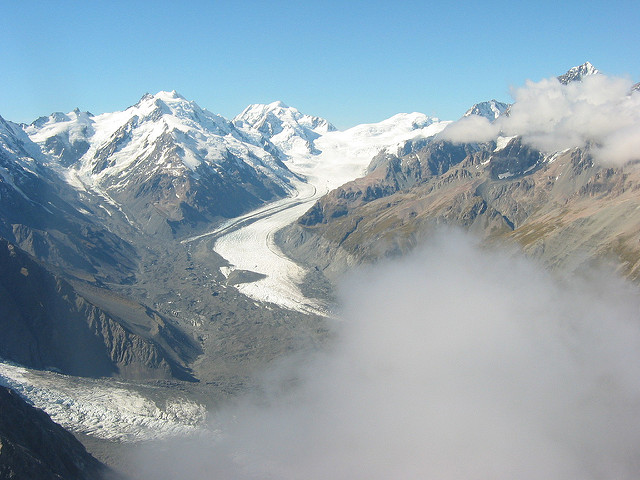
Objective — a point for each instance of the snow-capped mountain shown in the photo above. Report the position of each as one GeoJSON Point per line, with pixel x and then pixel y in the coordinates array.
{"type": "Point", "coordinates": [576, 74]}
{"type": "Point", "coordinates": [16, 158]}
{"type": "Point", "coordinates": [490, 110]}
{"type": "Point", "coordinates": [15, 143]}
{"type": "Point", "coordinates": [162, 160]}
{"type": "Point", "coordinates": [63, 136]}
{"type": "Point", "coordinates": [292, 132]}
{"type": "Point", "coordinates": [44, 216]}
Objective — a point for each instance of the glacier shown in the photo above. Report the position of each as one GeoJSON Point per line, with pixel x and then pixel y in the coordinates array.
{"type": "Point", "coordinates": [337, 157]}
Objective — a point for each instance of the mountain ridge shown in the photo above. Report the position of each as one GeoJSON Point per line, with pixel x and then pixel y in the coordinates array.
{"type": "Point", "coordinates": [577, 73]}
{"type": "Point", "coordinates": [503, 190]}
{"type": "Point", "coordinates": [164, 161]}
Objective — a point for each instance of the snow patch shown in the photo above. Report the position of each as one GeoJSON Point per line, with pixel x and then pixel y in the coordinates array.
{"type": "Point", "coordinates": [502, 142]}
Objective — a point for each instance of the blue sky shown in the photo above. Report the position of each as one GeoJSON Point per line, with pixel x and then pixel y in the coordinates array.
{"type": "Point", "coordinates": [350, 62]}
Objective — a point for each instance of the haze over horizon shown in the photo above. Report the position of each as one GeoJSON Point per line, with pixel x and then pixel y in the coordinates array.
{"type": "Point", "coordinates": [351, 64]}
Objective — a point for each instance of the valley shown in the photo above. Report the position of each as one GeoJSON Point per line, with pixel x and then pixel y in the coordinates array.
{"type": "Point", "coordinates": [160, 263]}
{"type": "Point", "coordinates": [222, 304]}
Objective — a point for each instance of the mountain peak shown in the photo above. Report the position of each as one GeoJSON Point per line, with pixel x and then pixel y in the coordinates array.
{"type": "Point", "coordinates": [490, 110]}
{"type": "Point", "coordinates": [576, 74]}
{"type": "Point", "coordinates": [277, 108]}
{"type": "Point", "coordinates": [163, 96]}
{"type": "Point", "coordinates": [286, 127]}
{"type": "Point", "coordinates": [277, 104]}
{"type": "Point", "coordinates": [277, 114]}
{"type": "Point", "coordinates": [166, 95]}
{"type": "Point", "coordinates": [172, 104]}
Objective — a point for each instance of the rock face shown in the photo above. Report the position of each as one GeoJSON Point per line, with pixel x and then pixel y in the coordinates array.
{"type": "Point", "coordinates": [46, 324]}
{"type": "Point", "coordinates": [562, 208]}
{"type": "Point", "coordinates": [33, 446]}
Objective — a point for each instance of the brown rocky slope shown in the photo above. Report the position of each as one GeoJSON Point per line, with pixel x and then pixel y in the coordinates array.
{"type": "Point", "coordinates": [563, 208]}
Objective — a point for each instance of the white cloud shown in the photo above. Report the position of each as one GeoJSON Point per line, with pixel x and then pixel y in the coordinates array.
{"type": "Point", "coordinates": [551, 116]}
{"type": "Point", "coordinates": [454, 362]}
{"type": "Point", "coordinates": [473, 128]}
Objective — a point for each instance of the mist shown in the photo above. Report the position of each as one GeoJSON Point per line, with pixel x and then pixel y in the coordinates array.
{"type": "Point", "coordinates": [455, 362]}
{"type": "Point", "coordinates": [600, 111]}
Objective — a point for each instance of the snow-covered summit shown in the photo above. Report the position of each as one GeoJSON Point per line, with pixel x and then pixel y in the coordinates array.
{"type": "Point", "coordinates": [291, 131]}
{"type": "Point", "coordinates": [398, 124]}
{"type": "Point", "coordinates": [490, 110]}
{"type": "Point", "coordinates": [128, 135]}
{"type": "Point", "coordinates": [272, 117]}
{"type": "Point", "coordinates": [63, 136]}
{"type": "Point", "coordinates": [16, 143]}
{"type": "Point", "coordinates": [176, 112]}
{"type": "Point", "coordinates": [166, 153]}
{"type": "Point", "coordinates": [576, 74]}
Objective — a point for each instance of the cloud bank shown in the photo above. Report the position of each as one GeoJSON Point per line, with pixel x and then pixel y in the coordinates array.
{"type": "Point", "coordinates": [473, 128]}
{"type": "Point", "coordinates": [452, 363]}
{"type": "Point", "coordinates": [599, 111]}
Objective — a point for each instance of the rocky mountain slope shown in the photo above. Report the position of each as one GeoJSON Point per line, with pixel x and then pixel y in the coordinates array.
{"type": "Point", "coordinates": [563, 207]}
{"type": "Point", "coordinates": [33, 446]}
{"type": "Point", "coordinates": [45, 323]}
{"type": "Point", "coordinates": [51, 220]}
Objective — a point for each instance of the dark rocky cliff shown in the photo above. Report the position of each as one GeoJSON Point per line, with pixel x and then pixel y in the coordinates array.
{"type": "Point", "coordinates": [32, 446]}
{"type": "Point", "coordinates": [46, 324]}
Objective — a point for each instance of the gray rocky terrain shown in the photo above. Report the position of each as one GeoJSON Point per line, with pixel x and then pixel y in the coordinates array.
{"type": "Point", "coordinates": [45, 323]}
